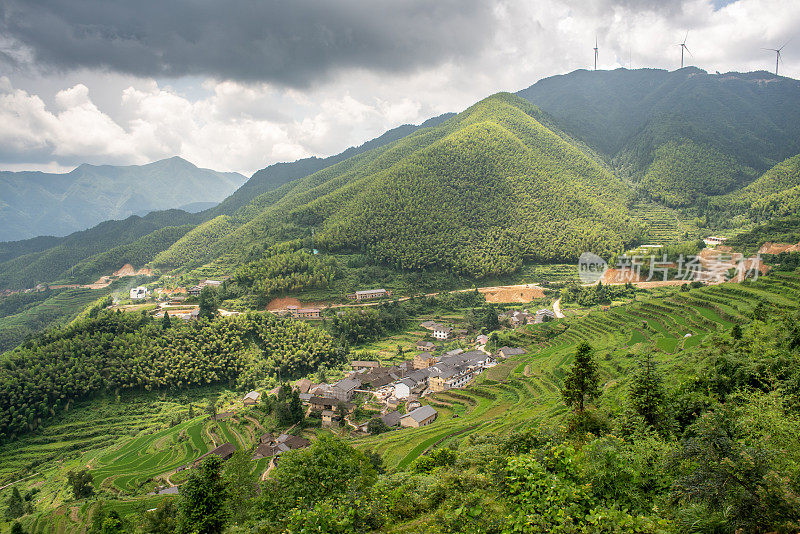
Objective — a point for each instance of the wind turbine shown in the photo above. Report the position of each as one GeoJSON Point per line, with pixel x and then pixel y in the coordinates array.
{"type": "Point", "coordinates": [777, 55]}
{"type": "Point", "coordinates": [595, 52]}
{"type": "Point", "coordinates": [684, 47]}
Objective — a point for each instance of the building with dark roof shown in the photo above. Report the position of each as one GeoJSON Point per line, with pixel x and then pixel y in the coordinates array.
{"type": "Point", "coordinates": [424, 415]}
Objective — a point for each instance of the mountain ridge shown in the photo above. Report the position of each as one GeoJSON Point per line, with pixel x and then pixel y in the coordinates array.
{"type": "Point", "coordinates": [35, 204]}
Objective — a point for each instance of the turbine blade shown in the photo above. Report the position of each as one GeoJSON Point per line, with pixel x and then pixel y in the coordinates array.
{"type": "Point", "coordinates": [687, 49]}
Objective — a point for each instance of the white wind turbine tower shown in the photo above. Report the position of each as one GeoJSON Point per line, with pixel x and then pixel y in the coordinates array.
{"type": "Point", "coordinates": [684, 47]}
{"type": "Point", "coordinates": [777, 55]}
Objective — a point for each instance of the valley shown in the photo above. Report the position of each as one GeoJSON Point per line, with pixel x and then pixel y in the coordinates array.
{"type": "Point", "coordinates": [406, 322]}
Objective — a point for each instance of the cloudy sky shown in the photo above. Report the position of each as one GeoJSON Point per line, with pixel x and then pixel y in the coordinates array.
{"type": "Point", "coordinates": [237, 85]}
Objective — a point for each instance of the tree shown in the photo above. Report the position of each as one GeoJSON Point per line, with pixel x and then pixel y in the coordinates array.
{"type": "Point", "coordinates": [162, 519]}
{"type": "Point", "coordinates": [208, 303]}
{"type": "Point", "coordinates": [204, 499]}
{"type": "Point", "coordinates": [15, 506]}
{"type": "Point", "coordinates": [335, 467]}
{"type": "Point", "coordinates": [112, 524]}
{"type": "Point", "coordinates": [296, 407]}
{"type": "Point", "coordinates": [191, 410]}
{"type": "Point", "coordinates": [647, 395]}
{"type": "Point", "coordinates": [81, 482]}
{"type": "Point", "coordinates": [241, 482]}
{"type": "Point", "coordinates": [211, 408]}
{"type": "Point", "coordinates": [166, 322]}
{"type": "Point", "coordinates": [582, 383]}
{"type": "Point", "coordinates": [376, 426]}
{"type": "Point", "coordinates": [736, 331]}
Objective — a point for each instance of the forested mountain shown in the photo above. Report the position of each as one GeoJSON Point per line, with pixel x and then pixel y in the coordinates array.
{"type": "Point", "coordinates": [37, 203]}
{"type": "Point", "coordinates": [276, 175]}
{"type": "Point", "coordinates": [83, 256]}
{"type": "Point", "coordinates": [476, 194]}
{"type": "Point", "coordinates": [683, 133]}
{"type": "Point", "coordinates": [776, 193]}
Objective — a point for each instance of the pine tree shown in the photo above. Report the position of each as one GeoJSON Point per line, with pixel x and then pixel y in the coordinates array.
{"type": "Point", "coordinates": [15, 506]}
{"type": "Point", "coordinates": [296, 407]}
{"type": "Point", "coordinates": [647, 395]}
{"type": "Point", "coordinates": [166, 322]}
{"type": "Point", "coordinates": [582, 383]}
{"type": "Point", "coordinates": [204, 499]}
{"type": "Point", "coordinates": [208, 303]}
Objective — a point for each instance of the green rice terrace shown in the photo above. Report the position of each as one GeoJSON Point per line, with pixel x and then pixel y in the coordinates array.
{"type": "Point", "coordinates": [525, 390]}
{"type": "Point", "coordinates": [131, 445]}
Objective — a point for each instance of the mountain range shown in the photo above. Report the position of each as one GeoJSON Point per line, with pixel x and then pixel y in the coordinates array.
{"type": "Point", "coordinates": [561, 167]}
{"type": "Point", "coordinates": [37, 203]}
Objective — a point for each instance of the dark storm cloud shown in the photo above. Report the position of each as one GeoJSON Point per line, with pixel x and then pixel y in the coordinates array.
{"type": "Point", "coordinates": [291, 42]}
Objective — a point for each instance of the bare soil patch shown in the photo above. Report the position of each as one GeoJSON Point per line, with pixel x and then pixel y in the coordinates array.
{"type": "Point", "coordinates": [520, 293]}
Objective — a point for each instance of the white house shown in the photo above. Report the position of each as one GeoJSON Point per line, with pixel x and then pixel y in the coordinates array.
{"type": "Point", "coordinates": [138, 293]}
{"type": "Point", "coordinates": [441, 332]}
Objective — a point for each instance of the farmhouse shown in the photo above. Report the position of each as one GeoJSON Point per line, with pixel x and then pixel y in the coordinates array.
{"type": "Point", "coordinates": [251, 398]}
{"type": "Point", "coordinates": [544, 315]}
{"type": "Point", "coordinates": [304, 313]}
{"type": "Point", "coordinates": [505, 352]}
{"type": "Point", "coordinates": [343, 390]}
{"type": "Point", "coordinates": [424, 359]}
{"type": "Point", "coordinates": [224, 451]}
{"type": "Point", "coordinates": [328, 417]}
{"type": "Point", "coordinates": [368, 294]}
{"type": "Point", "coordinates": [441, 332]}
{"type": "Point", "coordinates": [138, 293]}
{"type": "Point", "coordinates": [392, 418]}
{"type": "Point", "coordinates": [194, 291]}
{"type": "Point", "coordinates": [425, 346]}
{"type": "Point", "coordinates": [422, 416]}
{"type": "Point", "coordinates": [359, 365]}
{"type": "Point", "coordinates": [405, 387]}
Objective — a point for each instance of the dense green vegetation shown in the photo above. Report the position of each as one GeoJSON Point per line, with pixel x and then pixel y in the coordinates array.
{"type": "Point", "coordinates": [115, 351]}
{"type": "Point", "coordinates": [786, 230]}
{"type": "Point", "coordinates": [282, 270]}
{"type": "Point", "coordinates": [751, 118]}
{"type": "Point", "coordinates": [25, 269]}
{"type": "Point", "coordinates": [683, 170]}
{"type": "Point", "coordinates": [41, 310]}
{"type": "Point", "coordinates": [191, 248]}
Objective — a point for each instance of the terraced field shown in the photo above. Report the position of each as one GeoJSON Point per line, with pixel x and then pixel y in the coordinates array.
{"type": "Point", "coordinates": [664, 225]}
{"type": "Point", "coordinates": [524, 390]}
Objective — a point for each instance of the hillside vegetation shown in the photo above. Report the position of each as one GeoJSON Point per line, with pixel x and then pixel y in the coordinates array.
{"type": "Point", "coordinates": [686, 127]}
{"type": "Point", "coordinates": [477, 194]}
{"type": "Point", "coordinates": [116, 351]}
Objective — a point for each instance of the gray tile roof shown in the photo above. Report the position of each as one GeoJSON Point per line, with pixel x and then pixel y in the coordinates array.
{"type": "Point", "coordinates": [421, 413]}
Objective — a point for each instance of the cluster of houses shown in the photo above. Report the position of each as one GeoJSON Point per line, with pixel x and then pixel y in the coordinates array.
{"type": "Point", "coordinates": [521, 318]}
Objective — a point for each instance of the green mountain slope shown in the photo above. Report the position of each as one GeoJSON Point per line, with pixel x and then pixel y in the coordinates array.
{"type": "Point", "coordinates": [274, 176]}
{"type": "Point", "coordinates": [776, 193]}
{"type": "Point", "coordinates": [73, 257]}
{"type": "Point", "coordinates": [477, 194]}
{"type": "Point", "coordinates": [686, 132]}
{"type": "Point", "coordinates": [35, 203]}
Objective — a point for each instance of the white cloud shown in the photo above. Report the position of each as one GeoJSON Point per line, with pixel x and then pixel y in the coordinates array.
{"type": "Point", "coordinates": [230, 125]}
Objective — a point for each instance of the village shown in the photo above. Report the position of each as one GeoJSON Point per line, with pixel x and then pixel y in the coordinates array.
{"type": "Point", "coordinates": [389, 397]}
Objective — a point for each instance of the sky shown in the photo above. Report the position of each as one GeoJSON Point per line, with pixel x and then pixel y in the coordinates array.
{"type": "Point", "coordinates": [238, 85]}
